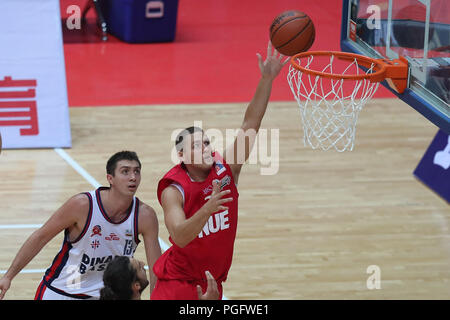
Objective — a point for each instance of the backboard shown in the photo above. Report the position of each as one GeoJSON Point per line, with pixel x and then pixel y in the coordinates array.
{"type": "Point", "coordinates": [418, 30]}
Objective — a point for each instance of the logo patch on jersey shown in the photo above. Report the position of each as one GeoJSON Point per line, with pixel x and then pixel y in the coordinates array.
{"type": "Point", "coordinates": [208, 189]}
{"type": "Point", "coordinates": [112, 236]}
{"type": "Point", "coordinates": [95, 244]}
{"type": "Point", "coordinates": [223, 183]}
{"type": "Point", "coordinates": [220, 168]}
{"type": "Point", "coordinates": [128, 233]}
{"type": "Point", "coordinates": [96, 231]}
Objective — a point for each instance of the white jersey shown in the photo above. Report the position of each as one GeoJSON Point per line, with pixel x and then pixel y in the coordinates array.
{"type": "Point", "coordinates": [77, 270]}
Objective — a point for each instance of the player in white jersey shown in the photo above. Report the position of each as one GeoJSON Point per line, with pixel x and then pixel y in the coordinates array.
{"type": "Point", "coordinates": [98, 226]}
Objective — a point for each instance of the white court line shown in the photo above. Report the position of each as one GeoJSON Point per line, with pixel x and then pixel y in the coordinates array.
{"type": "Point", "coordinates": [27, 271]}
{"type": "Point", "coordinates": [78, 168]}
{"type": "Point", "coordinates": [20, 226]}
{"type": "Point", "coordinates": [95, 184]}
{"type": "Point", "coordinates": [40, 270]}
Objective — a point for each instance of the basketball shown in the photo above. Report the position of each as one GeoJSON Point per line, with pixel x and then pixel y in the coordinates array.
{"type": "Point", "coordinates": [292, 32]}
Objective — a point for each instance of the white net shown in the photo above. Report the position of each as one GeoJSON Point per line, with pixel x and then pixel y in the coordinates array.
{"type": "Point", "coordinates": [329, 107]}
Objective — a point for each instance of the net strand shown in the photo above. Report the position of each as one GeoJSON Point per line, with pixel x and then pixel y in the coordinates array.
{"type": "Point", "coordinates": [329, 114]}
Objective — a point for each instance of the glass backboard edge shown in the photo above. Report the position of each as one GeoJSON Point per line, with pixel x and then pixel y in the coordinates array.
{"type": "Point", "coordinates": [432, 113]}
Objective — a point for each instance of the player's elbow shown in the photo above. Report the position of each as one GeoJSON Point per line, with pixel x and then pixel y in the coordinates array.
{"type": "Point", "coordinates": [181, 244]}
{"type": "Point", "coordinates": [250, 126]}
{"type": "Point", "coordinates": [181, 237]}
{"type": "Point", "coordinates": [180, 241]}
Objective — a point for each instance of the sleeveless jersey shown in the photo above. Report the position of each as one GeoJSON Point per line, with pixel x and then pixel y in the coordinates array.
{"type": "Point", "coordinates": [77, 270]}
{"type": "Point", "coordinates": [212, 249]}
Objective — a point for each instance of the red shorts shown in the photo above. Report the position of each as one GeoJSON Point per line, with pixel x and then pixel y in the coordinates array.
{"type": "Point", "coordinates": [179, 290]}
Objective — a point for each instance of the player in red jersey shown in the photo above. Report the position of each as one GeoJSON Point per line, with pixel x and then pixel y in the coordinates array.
{"type": "Point", "coordinates": [200, 199]}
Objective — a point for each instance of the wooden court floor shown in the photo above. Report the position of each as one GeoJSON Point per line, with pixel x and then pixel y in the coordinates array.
{"type": "Point", "coordinates": [310, 231]}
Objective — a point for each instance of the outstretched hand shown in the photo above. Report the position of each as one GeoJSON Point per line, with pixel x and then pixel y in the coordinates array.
{"type": "Point", "coordinates": [212, 292]}
{"type": "Point", "coordinates": [216, 201]}
{"type": "Point", "coordinates": [273, 64]}
{"type": "Point", "coordinates": [4, 286]}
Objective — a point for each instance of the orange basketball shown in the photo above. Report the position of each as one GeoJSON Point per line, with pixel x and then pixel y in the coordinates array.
{"type": "Point", "coordinates": [292, 32]}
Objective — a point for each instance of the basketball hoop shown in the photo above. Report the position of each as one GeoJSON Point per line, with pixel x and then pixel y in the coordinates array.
{"type": "Point", "coordinates": [331, 89]}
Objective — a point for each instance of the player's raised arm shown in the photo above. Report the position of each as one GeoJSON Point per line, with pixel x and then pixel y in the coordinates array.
{"type": "Point", "coordinates": [237, 153]}
{"type": "Point", "coordinates": [65, 217]}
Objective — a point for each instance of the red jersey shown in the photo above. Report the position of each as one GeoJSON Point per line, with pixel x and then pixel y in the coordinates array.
{"type": "Point", "coordinates": [212, 249]}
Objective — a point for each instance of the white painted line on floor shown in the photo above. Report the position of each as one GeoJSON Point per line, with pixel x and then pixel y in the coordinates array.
{"type": "Point", "coordinates": [78, 168]}
{"type": "Point", "coordinates": [27, 271]}
{"type": "Point", "coordinates": [20, 226]}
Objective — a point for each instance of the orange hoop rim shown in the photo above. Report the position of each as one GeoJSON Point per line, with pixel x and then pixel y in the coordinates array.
{"type": "Point", "coordinates": [381, 66]}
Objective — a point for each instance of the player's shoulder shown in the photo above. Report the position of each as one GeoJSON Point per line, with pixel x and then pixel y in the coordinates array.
{"type": "Point", "coordinates": [79, 200]}
{"type": "Point", "coordinates": [76, 208]}
{"type": "Point", "coordinates": [146, 210]}
{"type": "Point", "coordinates": [172, 193]}
{"type": "Point", "coordinates": [147, 218]}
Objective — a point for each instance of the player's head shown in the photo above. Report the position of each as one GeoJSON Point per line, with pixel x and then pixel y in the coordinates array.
{"type": "Point", "coordinates": [123, 171]}
{"type": "Point", "coordinates": [194, 148]}
{"type": "Point", "coordinates": [124, 279]}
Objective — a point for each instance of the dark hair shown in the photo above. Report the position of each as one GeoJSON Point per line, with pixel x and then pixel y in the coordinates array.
{"type": "Point", "coordinates": [117, 279]}
{"type": "Point", "coordinates": [122, 155]}
{"type": "Point", "coordinates": [184, 133]}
